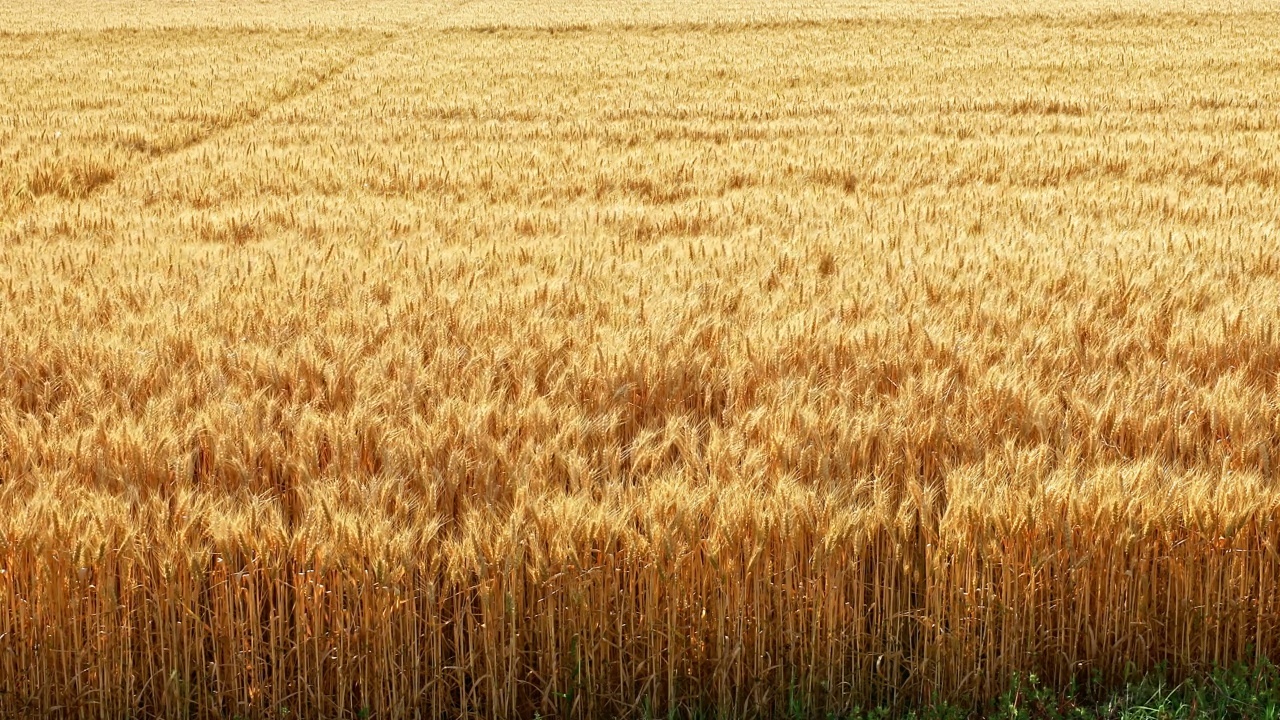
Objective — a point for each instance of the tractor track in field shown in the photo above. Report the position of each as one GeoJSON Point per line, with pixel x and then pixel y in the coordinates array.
{"type": "Point", "coordinates": [242, 114]}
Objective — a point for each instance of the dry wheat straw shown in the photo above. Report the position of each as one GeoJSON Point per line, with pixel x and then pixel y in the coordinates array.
{"type": "Point", "coordinates": [588, 373]}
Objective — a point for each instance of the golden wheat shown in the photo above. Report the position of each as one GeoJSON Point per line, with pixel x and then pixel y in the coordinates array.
{"type": "Point", "coordinates": [602, 360]}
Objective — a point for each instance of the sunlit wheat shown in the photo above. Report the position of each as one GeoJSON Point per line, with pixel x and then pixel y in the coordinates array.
{"type": "Point", "coordinates": [460, 361]}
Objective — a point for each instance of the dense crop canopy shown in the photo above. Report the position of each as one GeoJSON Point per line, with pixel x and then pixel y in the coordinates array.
{"type": "Point", "coordinates": [587, 360]}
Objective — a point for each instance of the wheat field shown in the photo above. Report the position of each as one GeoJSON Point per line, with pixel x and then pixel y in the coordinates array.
{"type": "Point", "coordinates": [631, 359]}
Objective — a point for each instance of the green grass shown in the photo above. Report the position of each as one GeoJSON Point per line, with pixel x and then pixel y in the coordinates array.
{"type": "Point", "coordinates": [1246, 692]}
